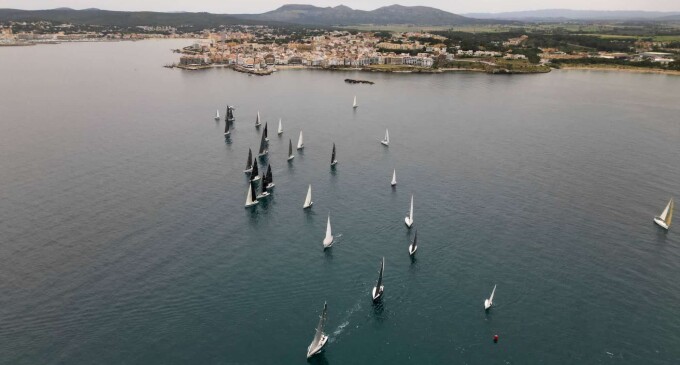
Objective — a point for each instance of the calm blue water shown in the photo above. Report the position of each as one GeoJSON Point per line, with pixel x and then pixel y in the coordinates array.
{"type": "Point", "coordinates": [124, 239]}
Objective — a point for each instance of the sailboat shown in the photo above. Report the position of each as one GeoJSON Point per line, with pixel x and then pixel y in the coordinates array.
{"type": "Point", "coordinates": [263, 188]}
{"type": "Point", "coordinates": [355, 105]}
{"type": "Point", "coordinates": [414, 245]}
{"type": "Point", "coordinates": [249, 163]}
{"type": "Point", "coordinates": [489, 302]}
{"type": "Point", "coordinates": [386, 140]}
{"type": "Point", "coordinates": [378, 289]}
{"type": "Point", "coordinates": [280, 127]}
{"type": "Point", "coordinates": [230, 114]}
{"type": "Point", "coordinates": [227, 131]}
{"type": "Point", "coordinates": [270, 178]}
{"type": "Point", "coordinates": [290, 150]}
{"type": "Point", "coordinates": [217, 115]}
{"type": "Point", "coordinates": [251, 199]}
{"type": "Point", "coordinates": [664, 220]}
{"type": "Point", "coordinates": [328, 240]}
{"type": "Point", "coordinates": [333, 160]}
{"type": "Point", "coordinates": [263, 144]}
{"type": "Point", "coordinates": [266, 134]}
{"type": "Point", "coordinates": [394, 178]}
{"type": "Point", "coordinates": [257, 120]}
{"type": "Point", "coordinates": [409, 220]}
{"type": "Point", "coordinates": [320, 338]}
{"type": "Point", "coordinates": [308, 199]}
{"type": "Point", "coordinates": [301, 142]}
{"type": "Point", "coordinates": [254, 172]}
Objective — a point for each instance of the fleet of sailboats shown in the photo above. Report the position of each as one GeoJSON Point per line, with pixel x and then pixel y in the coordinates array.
{"type": "Point", "coordinates": [334, 161]}
{"type": "Point", "coordinates": [386, 139]}
{"type": "Point", "coordinates": [664, 220]}
{"type": "Point", "coordinates": [308, 199]}
{"type": "Point", "coordinates": [320, 338]}
{"type": "Point", "coordinates": [301, 141]}
{"type": "Point", "coordinates": [328, 240]}
{"type": "Point", "coordinates": [409, 219]}
{"type": "Point", "coordinates": [378, 289]}
{"type": "Point", "coordinates": [489, 302]}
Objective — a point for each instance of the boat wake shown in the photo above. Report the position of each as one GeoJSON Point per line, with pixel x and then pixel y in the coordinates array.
{"type": "Point", "coordinates": [345, 322]}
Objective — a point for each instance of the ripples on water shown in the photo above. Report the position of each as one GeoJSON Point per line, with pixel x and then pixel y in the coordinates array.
{"type": "Point", "coordinates": [125, 239]}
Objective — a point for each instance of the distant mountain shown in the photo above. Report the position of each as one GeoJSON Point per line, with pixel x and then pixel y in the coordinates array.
{"type": "Point", "coordinates": [343, 15]}
{"type": "Point", "coordinates": [125, 18]}
{"type": "Point", "coordinates": [566, 14]}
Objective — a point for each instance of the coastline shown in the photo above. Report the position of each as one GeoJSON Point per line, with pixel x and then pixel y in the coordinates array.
{"type": "Point", "coordinates": [620, 69]}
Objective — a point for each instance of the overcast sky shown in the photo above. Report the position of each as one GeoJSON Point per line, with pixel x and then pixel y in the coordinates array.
{"type": "Point", "coordinates": [259, 6]}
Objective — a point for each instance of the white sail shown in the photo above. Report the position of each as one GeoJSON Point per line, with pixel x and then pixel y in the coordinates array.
{"type": "Point", "coordinates": [320, 338]}
{"type": "Point", "coordinates": [666, 217]}
{"type": "Point", "coordinates": [489, 302]}
{"type": "Point", "coordinates": [257, 121]}
{"type": "Point", "coordinates": [308, 199]}
{"type": "Point", "coordinates": [217, 115]}
{"type": "Point", "coordinates": [409, 220]}
{"type": "Point", "coordinates": [354, 105]}
{"type": "Point", "coordinates": [301, 142]}
{"type": "Point", "coordinates": [394, 178]}
{"type": "Point", "coordinates": [386, 140]}
{"type": "Point", "coordinates": [249, 197]}
{"type": "Point", "coordinates": [328, 240]}
{"type": "Point", "coordinates": [280, 127]}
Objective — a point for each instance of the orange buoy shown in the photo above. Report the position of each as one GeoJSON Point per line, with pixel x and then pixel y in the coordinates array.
{"type": "Point", "coordinates": [495, 338]}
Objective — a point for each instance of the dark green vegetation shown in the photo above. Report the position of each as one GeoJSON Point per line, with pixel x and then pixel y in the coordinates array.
{"type": "Point", "coordinates": [674, 66]}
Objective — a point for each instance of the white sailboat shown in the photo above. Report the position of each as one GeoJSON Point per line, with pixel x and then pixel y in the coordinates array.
{"type": "Point", "coordinates": [664, 220]}
{"type": "Point", "coordinates": [394, 178]}
{"type": "Point", "coordinates": [355, 105]}
{"type": "Point", "coordinates": [320, 338]}
{"type": "Point", "coordinates": [217, 115]}
{"type": "Point", "coordinates": [301, 141]}
{"type": "Point", "coordinates": [328, 240]}
{"type": "Point", "coordinates": [414, 245]}
{"type": "Point", "coordinates": [251, 199]}
{"type": "Point", "coordinates": [489, 302]}
{"type": "Point", "coordinates": [290, 150]}
{"type": "Point", "coordinates": [308, 199]}
{"type": "Point", "coordinates": [280, 127]}
{"type": "Point", "coordinates": [257, 120]}
{"type": "Point", "coordinates": [409, 220]}
{"type": "Point", "coordinates": [378, 289]}
{"type": "Point", "coordinates": [386, 140]}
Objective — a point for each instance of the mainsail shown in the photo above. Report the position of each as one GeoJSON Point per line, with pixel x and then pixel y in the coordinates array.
{"type": "Point", "coordinates": [394, 177]}
{"type": "Point", "coordinates": [380, 276]}
{"type": "Point", "coordinates": [308, 199]}
{"type": "Point", "coordinates": [301, 142]}
{"type": "Point", "coordinates": [319, 328]}
{"type": "Point", "coordinates": [269, 177]}
{"type": "Point", "coordinates": [255, 172]}
{"type": "Point", "coordinates": [266, 135]}
{"type": "Point", "coordinates": [333, 155]}
{"type": "Point", "coordinates": [667, 214]}
{"type": "Point", "coordinates": [290, 149]}
{"type": "Point", "coordinates": [249, 163]}
{"type": "Point", "coordinates": [263, 143]}
{"type": "Point", "coordinates": [257, 119]}
{"type": "Point", "coordinates": [280, 126]}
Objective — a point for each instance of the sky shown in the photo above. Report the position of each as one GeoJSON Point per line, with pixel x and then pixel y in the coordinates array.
{"type": "Point", "coordinates": [260, 6]}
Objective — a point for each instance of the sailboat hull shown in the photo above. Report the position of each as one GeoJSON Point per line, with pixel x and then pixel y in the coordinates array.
{"type": "Point", "coordinates": [334, 163]}
{"type": "Point", "coordinates": [328, 242]}
{"type": "Point", "coordinates": [300, 147]}
{"type": "Point", "coordinates": [251, 204]}
{"type": "Point", "coordinates": [307, 206]}
{"type": "Point", "coordinates": [270, 186]}
{"type": "Point", "coordinates": [313, 351]}
{"type": "Point", "coordinates": [256, 178]}
{"type": "Point", "coordinates": [393, 184]}
{"type": "Point", "coordinates": [487, 304]}
{"type": "Point", "coordinates": [661, 223]}
{"type": "Point", "coordinates": [412, 250]}
{"type": "Point", "coordinates": [291, 158]}
{"type": "Point", "coordinates": [377, 294]}
{"type": "Point", "coordinates": [408, 222]}
{"type": "Point", "coordinates": [247, 171]}
{"type": "Point", "coordinates": [385, 143]}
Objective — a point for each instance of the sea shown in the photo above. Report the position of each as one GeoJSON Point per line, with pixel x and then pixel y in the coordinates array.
{"type": "Point", "coordinates": [124, 238]}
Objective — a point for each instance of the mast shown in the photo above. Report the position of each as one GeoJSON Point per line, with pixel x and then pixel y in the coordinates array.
{"type": "Point", "coordinates": [255, 172]}
{"type": "Point", "coordinates": [492, 293]}
{"type": "Point", "coordinates": [290, 147]}
{"type": "Point", "coordinates": [328, 228]}
{"type": "Point", "coordinates": [249, 163]}
{"type": "Point", "coordinates": [380, 276]}
{"type": "Point", "coordinates": [410, 213]}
